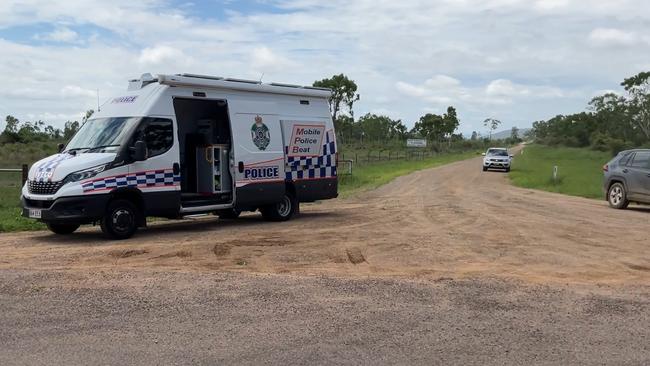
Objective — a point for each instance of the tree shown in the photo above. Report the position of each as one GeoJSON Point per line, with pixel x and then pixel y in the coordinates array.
{"type": "Point", "coordinates": [436, 128]}
{"type": "Point", "coordinates": [474, 136]}
{"type": "Point", "coordinates": [638, 101]}
{"type": "Point", "coordinates": [10, 134]}
{"type": "Point", "coordinates": [89, 113]}
{"type": "Point", "coordinates": [381, 128]}
{"type": "Point", "coordinates": [430, 126]}
{"type": "Point", "coordinates": [12, 124]}
{"type": "Point", "coordinates": [514, 134]}
{"type": "Point", "coordinates": [70, 129]}
{"type": "Point", "coordinates": [492, 124]}
{"type": "Point", "coordinates": [344, 93]}
{"type": "Point", "coordinates": [450, 122]}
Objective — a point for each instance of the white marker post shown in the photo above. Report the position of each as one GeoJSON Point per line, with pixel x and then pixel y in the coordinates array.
{"type": "Point", "coordinates": [555, 174]}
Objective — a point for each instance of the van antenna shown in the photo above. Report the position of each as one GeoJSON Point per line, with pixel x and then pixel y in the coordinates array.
{"type": "Point", "coordinates": [261, 78]}
{"type": "Point", "coordinates": [98, 101]}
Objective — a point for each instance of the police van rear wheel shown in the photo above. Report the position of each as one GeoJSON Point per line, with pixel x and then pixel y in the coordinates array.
{"type": "Point", "coordinates": [281, 211]}
{"type": "Point", "coordinates": [121, 220]}
{"type": "Point", "coordinates": [62, 229]}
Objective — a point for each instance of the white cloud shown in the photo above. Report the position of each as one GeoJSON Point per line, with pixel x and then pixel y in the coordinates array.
{"type": "Point", "coordinates": [505, 88]}
{"type": "Point", "coordinates": [518, 60]}
{"type": "Point", "coordinates": [154, 56]}
{"type": "Point", "coordinates": [77, 91]}
{"type": "Point", "coordinates": [265, 61]}
{"type": "Point", "coordinates": [613, 37]}
{"type": "Point", "coordinates": [61, 34]}
{"type": "Point", "coordinates": [547, 5]}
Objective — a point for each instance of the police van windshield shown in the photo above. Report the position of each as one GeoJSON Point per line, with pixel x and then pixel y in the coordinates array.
{"type": "Point", "coordinates": [102, 134]}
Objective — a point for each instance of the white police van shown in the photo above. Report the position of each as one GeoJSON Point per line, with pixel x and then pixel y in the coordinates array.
{"type": "Point", "coordinates": [177, 145]}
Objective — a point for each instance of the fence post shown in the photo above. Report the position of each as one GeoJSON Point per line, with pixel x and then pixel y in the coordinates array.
{"type": "Point", "coordinates": [356, 158]}
{"type": "Point", "coordinates": [25, 172]}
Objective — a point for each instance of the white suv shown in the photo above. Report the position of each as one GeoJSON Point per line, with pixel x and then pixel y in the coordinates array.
{"type": "Point", "coordinates": [497, 158]}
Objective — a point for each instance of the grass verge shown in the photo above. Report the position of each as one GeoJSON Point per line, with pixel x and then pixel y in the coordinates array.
{"type": "Point", "coordinates": [371, 176]}
{"type": "Point", "coordinates": [579, 170]}
{"type": "Point", "coordinates": [10, 212]}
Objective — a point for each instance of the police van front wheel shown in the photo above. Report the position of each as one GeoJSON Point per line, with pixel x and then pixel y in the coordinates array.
{"type": "Point", "coordinates": [281, 211]}
{"type": "Point", "coordinates": [121, 220]}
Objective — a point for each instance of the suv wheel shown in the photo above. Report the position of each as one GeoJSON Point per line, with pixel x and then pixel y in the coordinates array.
{"type": "Point", "coordinates": [617, 197]}
{"type": "Point", "coordinates": [121, 220]}
{"type": "Point", "coordinates": [62, 229]}
{"type": "Point", "coordinates": [281, 211]}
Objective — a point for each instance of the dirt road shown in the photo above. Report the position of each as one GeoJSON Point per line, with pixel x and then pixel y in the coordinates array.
{"type": "Point", "coordinates": [444, 266]}
{"type": "Point", "coordinates": [454, 221]}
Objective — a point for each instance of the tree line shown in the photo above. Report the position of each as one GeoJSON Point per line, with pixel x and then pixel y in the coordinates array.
{"type": "Point", "coordinates": [611, 122]}
{"type": "Point", "coordinates": [378, 129]}
{"type": "Point", "coordinates": [25, 132]}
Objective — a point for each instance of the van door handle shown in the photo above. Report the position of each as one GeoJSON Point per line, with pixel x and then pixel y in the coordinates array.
{"type": "Point", "coordinates": [625, 170]}
{"type": "Point", "coordinates": [240, 166]}
{"type": "Point", "coordinates": [176, 168]}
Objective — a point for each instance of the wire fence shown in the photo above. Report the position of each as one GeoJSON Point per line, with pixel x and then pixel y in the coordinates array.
{"type": "Point", "coordinates": [11, 177]}
{"type": "Point", "coordinates": [373, 156]}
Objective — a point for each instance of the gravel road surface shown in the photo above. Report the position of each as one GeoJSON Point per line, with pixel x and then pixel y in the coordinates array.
{"type": "Point", "coordinates": [444, 266]}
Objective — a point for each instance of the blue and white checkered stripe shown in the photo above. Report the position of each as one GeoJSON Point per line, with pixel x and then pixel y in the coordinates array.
{"type": "Point", "coordinates": [323, 166]}
{"type": "Point", "coordinates": [155, 178]}
{"type": "Point", "coordinates": [45, 170]}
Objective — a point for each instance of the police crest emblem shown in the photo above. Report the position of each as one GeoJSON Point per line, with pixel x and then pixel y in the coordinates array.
{"type": "Point", "coordinates": [260, 134]}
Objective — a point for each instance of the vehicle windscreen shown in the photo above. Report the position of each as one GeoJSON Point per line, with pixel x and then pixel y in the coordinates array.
{"type": "Point", "coordinates": [496, 152]}
{"type": "Point", "coordinates": [102, 134]}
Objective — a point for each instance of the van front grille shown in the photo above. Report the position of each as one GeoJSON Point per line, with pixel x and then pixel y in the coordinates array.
{"type": "Point", "coordinates": [36, 187]}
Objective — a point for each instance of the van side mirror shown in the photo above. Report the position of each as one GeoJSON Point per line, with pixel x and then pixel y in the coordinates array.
{"type": "Point", "coordinates": [512, 156]}
{"type": "Point", "coordinates": [60, 146]}
{"type": "Point", "coordinates": [139, 151]}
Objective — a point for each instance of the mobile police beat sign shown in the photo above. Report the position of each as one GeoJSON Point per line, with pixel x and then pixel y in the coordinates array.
{"type": "Point", "coordinates": [306, 140]}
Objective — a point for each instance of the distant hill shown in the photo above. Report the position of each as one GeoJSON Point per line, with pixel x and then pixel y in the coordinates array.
{"type": "Point", "coordinates": [506, 133]}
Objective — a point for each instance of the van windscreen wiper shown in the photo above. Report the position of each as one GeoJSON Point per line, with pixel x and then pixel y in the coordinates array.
{"type": "Point", "coordinates": [100, 147]}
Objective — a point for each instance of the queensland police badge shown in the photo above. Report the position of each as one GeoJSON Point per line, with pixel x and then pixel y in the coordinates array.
{"type": "Point", "coordinates": [260, 134]}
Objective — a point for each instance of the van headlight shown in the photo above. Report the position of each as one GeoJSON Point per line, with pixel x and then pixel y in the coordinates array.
{"type": "Point", "coordinates": [84, 174]}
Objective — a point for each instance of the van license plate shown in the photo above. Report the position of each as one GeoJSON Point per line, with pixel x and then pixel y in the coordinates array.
{"type": "Point", "coordinates": [35, 214]}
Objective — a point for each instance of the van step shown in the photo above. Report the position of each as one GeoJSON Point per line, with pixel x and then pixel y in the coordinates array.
{"type": "Point", "coordinates": [205, 202]}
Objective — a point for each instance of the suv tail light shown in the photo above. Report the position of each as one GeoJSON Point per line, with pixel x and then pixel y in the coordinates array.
{"type": "Point", "coordinates": [605, 168]}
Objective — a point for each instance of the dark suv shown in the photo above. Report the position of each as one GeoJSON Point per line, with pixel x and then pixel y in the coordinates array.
{"type": "Point", "coordinates": [627, 178]}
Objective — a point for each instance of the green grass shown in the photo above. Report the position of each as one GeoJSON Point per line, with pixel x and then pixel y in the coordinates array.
{"type": "Point", "coordinates": [10, 212]}
{"type": "Point", "coordinates": [371, 176]}
{"type": "Point", "coordinates": [579, 170]}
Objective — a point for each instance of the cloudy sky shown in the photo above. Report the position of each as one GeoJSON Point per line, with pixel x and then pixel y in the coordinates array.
{"type": "Point", "coordinates": [514, 60]}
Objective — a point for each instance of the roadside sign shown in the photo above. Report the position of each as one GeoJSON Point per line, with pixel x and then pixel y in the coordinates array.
{"type": "Point", "coordinates": [416, 143]}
